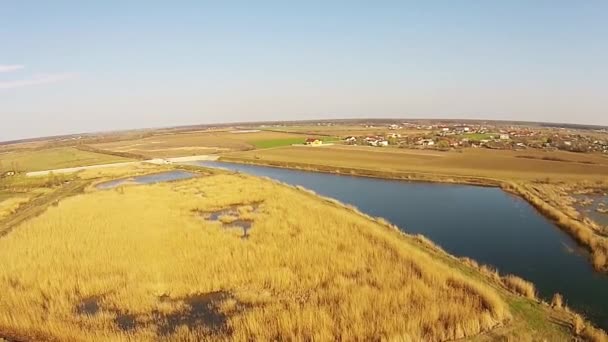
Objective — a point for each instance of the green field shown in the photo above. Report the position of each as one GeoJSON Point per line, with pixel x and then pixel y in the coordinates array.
{"type": "Point", "coordinates": [277, 142]}
{"type": "Point", "coordinates": [54, 158]}
{"type": "Point", "coordinates": [286, 142]}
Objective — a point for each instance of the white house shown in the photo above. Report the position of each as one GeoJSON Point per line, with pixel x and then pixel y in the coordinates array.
{"type": "Point", "coordinates": [8, 174]}
{"type": "Point", "coordinates": [313, 141]}
{"type": "Point", "coordinates": [350, 140]}
{"type": "Point", "coordinates": [426, 142]}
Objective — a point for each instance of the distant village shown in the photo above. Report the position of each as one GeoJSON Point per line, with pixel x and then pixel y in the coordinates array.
{"type": "Point", "coordinates": [455, 136]}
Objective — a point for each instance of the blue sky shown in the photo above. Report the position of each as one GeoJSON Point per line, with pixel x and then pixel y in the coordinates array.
{"type": "Point", "coordinates": [81, 66]}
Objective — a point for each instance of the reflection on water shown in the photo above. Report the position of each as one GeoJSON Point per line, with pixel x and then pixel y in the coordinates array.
{"type": "Point", "coordinates": [148, 179]}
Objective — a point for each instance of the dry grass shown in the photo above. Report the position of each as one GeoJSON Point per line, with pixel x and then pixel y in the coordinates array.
{"type": "Point", "coordinates": [550, 205]}
{"type": "Point", "coordinates": [586, 331]}
{"type": "Point", "coordinates": [520, 286]}
{"type": "Point", "coordinates": [511, 282]}
{"type": "Point", "coordinates": [557, 301]}
{"type": "Point", "coordinates": [309, 270]}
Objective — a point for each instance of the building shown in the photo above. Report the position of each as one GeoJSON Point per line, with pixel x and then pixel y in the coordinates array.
{"type": "Point", "coordinates": [504, 137]}
{"type": "Point", "coordinates": [313, 141]}
{"type": "Point", "coordinates": [350, 140]}
{"type": "Point", "coordinates": [8, 174]}
{"type": "Point", "coordinates": [426, 142]}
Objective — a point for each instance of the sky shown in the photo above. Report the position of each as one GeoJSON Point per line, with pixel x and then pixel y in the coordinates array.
{"type": "Point", "coordinates": [84, 66]}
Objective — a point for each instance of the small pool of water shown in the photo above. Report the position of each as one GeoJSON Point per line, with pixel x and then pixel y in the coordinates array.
{"type": "Point", "coordinates": [595, 207]}
{"type": "Point", "coordinates": [148, 179]}
{"type": "Point", "coordinates": [237, 223]}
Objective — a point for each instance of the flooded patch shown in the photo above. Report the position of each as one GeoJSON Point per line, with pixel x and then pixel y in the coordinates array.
{"type": "Point", "coordinates": [234, 217]}
{"type": "Point", "coordinates": [89, 306]}
{"type": "Point", "coordinates": [594, 206]}
{"type": "Point", "coordinates": [245, 225]}
{"type": "Point", "coordinates": [201, 311]}
{"type": "Point", "coordinates": [206, 311]}
{"type": "Point", "coordinates": [126, 322]}
{"type": "Point", "coordinates": [216, 215]}
{"type": "Point", "coordinates": [148, 179]}
{"type": "Point", "coordinates": [92, 306]}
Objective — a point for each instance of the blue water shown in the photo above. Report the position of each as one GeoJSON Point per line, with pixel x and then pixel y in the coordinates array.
{"type": "Point", "coordinates": [485, 224]}
{"type": "Point", "coordinates": [148, 179]}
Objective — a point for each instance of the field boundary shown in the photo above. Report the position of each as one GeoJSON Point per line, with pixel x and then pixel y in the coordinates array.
{"type": "Point", "coordinates": [39, 205]}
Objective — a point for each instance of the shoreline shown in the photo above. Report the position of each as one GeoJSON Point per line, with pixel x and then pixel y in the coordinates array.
{"type": "Point", "coordinates": [596, 245]}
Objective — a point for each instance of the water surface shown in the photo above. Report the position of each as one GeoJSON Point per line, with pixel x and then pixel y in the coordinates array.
{"type": "Point", "coordinates": [485, 224]}
{"type": "Point", "coordinates": [148, 179]}
{"type": "Point", "coordinates": [593, 209]}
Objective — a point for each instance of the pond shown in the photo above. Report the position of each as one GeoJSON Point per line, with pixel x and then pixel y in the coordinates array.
{"type": "Point", "coordinates": [148, 179]}
{"type": "Point", "coordinates": [485, 224]}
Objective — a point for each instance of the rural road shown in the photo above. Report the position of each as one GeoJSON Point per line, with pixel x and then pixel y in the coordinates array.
{"type": "Point", "coordinates": [151, 161]}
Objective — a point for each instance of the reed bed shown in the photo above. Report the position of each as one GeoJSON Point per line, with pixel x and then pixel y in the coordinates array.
{"type": "Point", "coordinates": [550, 205]}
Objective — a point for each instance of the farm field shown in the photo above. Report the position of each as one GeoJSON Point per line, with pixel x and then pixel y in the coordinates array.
{"type": "Point", "coordinates": [53, 158]}
{"type": "Point", "coordinates": [346, 130]}
{"type": "Point", "coordinates": [494, 164]}
{"type": "Point", "coordinates": [196, 143]}
{"type": "Point", "coordinates": [85, 271]}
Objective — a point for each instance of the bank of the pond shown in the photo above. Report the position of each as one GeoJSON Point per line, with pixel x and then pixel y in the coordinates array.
{"type": "Point", "coordinates": [597, 246]}
{"type": "Point", "coordinates": [483, 223]}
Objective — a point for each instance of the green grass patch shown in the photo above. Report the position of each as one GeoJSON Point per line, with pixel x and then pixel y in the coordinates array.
{"type": "Point", "coordinates": [286, 141]}
{"type": "Point", "coordinates": [531, 312]}
{"type": "Point", "coordinates": [277, 142]}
